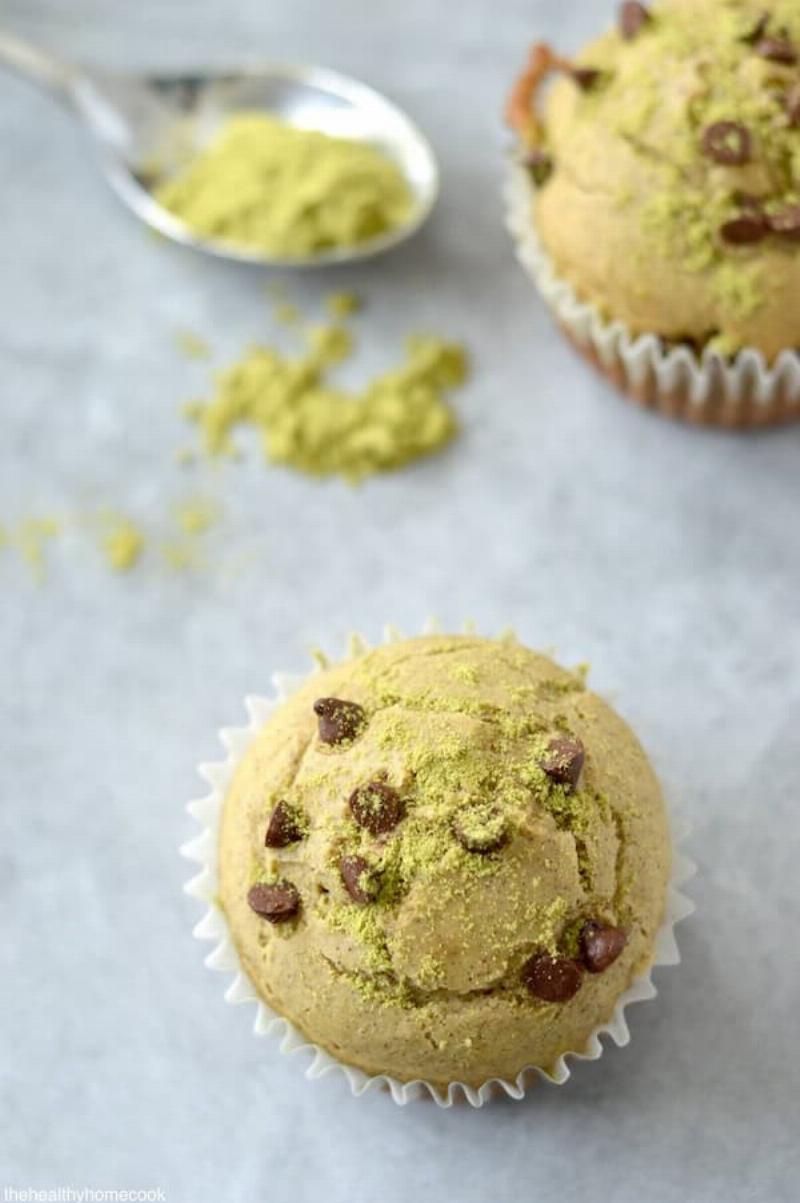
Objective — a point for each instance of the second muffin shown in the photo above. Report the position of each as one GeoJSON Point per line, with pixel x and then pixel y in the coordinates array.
{"type": "Point", "coordinates": [667, 164]}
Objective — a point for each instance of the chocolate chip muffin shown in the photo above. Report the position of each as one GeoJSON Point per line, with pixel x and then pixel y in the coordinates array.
{"type": "Point", "coordinates": [666, 163]}
{"type": "Point", "coordinates": [445, 859]}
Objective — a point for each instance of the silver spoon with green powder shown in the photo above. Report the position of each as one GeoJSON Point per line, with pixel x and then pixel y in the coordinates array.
{"type": "Point", "coordinates": [285, 166]}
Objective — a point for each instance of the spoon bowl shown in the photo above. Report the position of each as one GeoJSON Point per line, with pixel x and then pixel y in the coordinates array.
{"type": "Point", "coordinates": [148, 127]}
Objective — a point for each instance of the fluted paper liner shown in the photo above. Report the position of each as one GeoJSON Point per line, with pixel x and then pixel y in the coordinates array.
{"type": "Point", "coordinates": [704, 389]}
{"type": "Point", "coordinates": [204, 850]}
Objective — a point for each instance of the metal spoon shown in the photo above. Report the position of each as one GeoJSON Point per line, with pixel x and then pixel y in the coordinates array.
{"type": "Point", "coordinates": [141, 120]}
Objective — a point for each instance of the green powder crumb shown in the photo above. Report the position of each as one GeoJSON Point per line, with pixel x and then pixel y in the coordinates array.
{"type": "Point", "coordinates": [192, 345]}
{"type": "Point", "coordinates": [363, 924]}
{"type": "Point", "coordinates": [307, 424]}
{"type": "Point", "coordinates": [180, 556]}
{"type": "Point", "coordinates": [724, 345]}
{"type": "Point", "coordinates": [430, 972]}
{"type": "Point", "coordinates": [329, 345]}
{"type": "Point", "coordinates": [31, 538]}
{"type": "Point", "coordinates": [569, 940]}
{"type": "Point", "coordinates": [267, 186]}
{"type": "Point", "coordinates": [122, 544]}
{"type": "Point", "coordinates": [482, 826]}
{"type": "Point", "coordinates": [739, 287]}
{"type": "Point", "coordinates": [196, 517]}
{"type": "Point", "coordinates": [342, 305]}
{"type": "Point", "coordinates": [286, 313]}
{"type": "Point", "coordinates": [466, 673]}
{"type": "Point", "coordinates": [551, 922]}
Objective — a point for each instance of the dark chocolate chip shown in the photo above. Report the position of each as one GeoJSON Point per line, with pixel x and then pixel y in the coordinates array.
{"type": "Point", "coordinates": [480, 827]}
{"type": "Point", "coordinates": [283, 827]}
{"type": "Point", "coordinates": [746, 229]}
{"type": "Point", "coordinates": [585, 77]}
{"type": "Point", "coordinates": [786, 222]}
{"type": "Point", "coordinates": [777, 50]}
{"type": "Point", "coordinates": [758, 30]}
{"type": "Point", "coordinates": [601, 944]}
{"type": "Point", "coordinates": [554, 979]}
{"type": "Point", "coordinates": [276, 903]}
{"type": "Point", "coordinates": [793, 105]}
{"type": "Point", "coordinates": [632, 18]}
{"type": "Point", "coordinates": [563, 760]}
{"type": "Point", "coordinates": [377, 807]}
{"type": "Point", "coordinates": [539, 165]}
{"type": "Point", "coordinates": [339, 721]}
{"type": "Point", "coordinates": [727, 142]}
{"type": "Point", "coordinates": [359, 879]}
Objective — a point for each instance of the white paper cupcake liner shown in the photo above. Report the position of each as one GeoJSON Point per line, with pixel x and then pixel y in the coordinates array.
{"type": "Point", "coordinates": [204, 850]}
{"type": "Point", "coordinates": [704, 389]}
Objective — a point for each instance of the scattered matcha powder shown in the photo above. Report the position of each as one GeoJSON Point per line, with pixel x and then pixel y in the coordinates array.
{"type": "Point", "coordinates": [196, 517]}
{"type": "Point", "coordinates": [343, 304]}
{"type": "Point", "coordinates": [31, 538]}
{"type": "Point", "coordinates": [307, 424]}
{"type": "Point", "coordinates": [192, 345]}
{"type": "Point", "coordinates": [286, 314]}
{"type": "Point", "coordinates": [180, 556]}
{"type": "Point", "coordinates": [123, 543]}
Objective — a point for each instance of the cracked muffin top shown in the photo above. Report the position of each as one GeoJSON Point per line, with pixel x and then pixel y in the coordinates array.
{"type": "Point", "coordinates": [668, 159]}
{"type": "Point", "coordinates": [444, 859]}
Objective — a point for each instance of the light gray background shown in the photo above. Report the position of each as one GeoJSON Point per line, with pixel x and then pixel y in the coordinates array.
{"type": "Point", "coordinates": [667, 557]}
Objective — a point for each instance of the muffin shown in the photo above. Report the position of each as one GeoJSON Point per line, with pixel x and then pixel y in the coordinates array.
{"type": "Point", "coordinates": [444, 860]}
{"type": "Point", "coordinates": [665, 164]}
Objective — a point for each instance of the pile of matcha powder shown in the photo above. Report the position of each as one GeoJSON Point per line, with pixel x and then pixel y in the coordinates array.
{"type": "Point", "coordinates": [267, 186]}
{"type": "Point", "coordinates": [308, 424]}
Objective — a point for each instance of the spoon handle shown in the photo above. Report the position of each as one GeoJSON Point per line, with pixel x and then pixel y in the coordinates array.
{"type": "Point", "coordinates": [39, 67]}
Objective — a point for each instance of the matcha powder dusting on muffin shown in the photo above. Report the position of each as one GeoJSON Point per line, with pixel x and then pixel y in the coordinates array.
{"type": "Point", "coordinates": [444, 859]}
{"type": "Point", "coordinates": [667, 165]}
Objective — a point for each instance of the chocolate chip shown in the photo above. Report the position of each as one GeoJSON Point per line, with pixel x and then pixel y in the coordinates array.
{"type": "Point", "coordinates": [585, 77]}
{"type": "Point", "coordinates": [283, 827]}
{"type": "Point", "coordinates": [727, 142]}
{"type": "Point", "coordinates": [632, 18]}
{"type": "Point", "coordinates": [480, 827]}
{"type": "Point", "coordinates": [793, 105]}
{"type": "Point", "coordinates": [601, 945]}
{"type": "Point", "coordinates": [758, 30]}
{"type": "Point", "coordinates": [339, 721]}
{"type": "Point", "coordinates": [786, 222]}
{"type": "Point", "coordinates": [553, 979]}
{"type": "Point", "coordinates": [359, 880]}
{"type": "Point", "coordinates": [744, 230]}
{"type": "Point", "coordinates": [539, 165]}
{"type": "Point", "coordinates": [276, 903]}
{"type": "Point", "coordinates": [377, 807]}
{"type": "Point", "coordinates": [777, 50]}
{"type": "Point", "coordinates": [563, 760]}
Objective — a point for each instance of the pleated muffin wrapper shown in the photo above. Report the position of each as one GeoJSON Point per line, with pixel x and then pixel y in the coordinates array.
{"type": "Point", "coordinates": [204, 849]}
{"type": "Point", "coordinates": [705, 389]}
